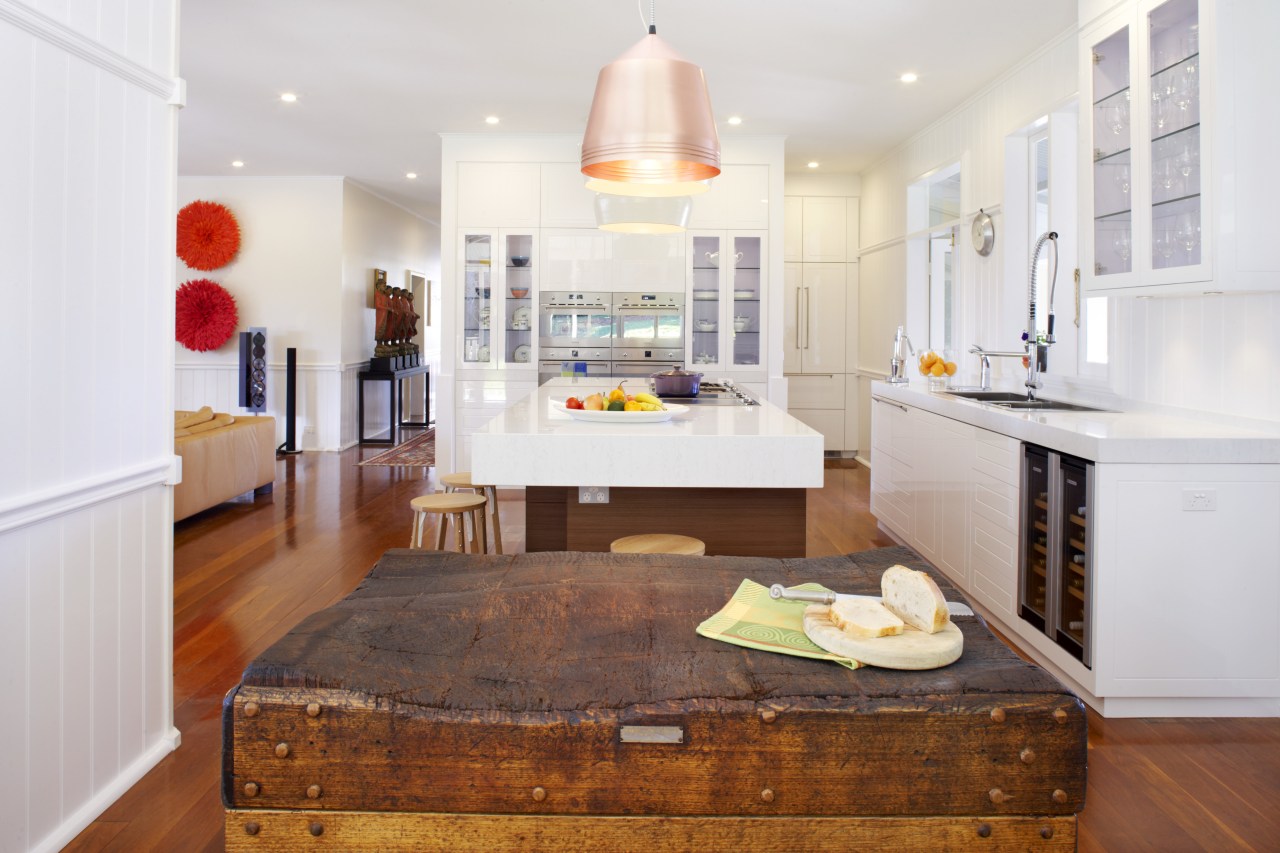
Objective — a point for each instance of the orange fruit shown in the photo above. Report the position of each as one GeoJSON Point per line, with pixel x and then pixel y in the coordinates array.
{"type": "Point", "coordinates": [950, 367]}
{"type": "Point", "coordinates": [938, 368]}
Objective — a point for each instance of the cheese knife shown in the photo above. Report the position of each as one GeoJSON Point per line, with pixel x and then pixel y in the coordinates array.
{"type": "Point", "coordinates": [955, 608]}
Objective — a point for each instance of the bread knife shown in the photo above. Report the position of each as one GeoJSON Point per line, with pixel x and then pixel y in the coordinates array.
{"type": "Point", "coordinates": [955, 608]}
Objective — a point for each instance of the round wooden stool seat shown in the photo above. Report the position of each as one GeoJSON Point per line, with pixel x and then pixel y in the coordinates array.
{"type": "Point", "coordinates": [462, 480]}
{"type": "Point", "coordinates": [659, 543]}
{"type": "Point", "coordinates": [453, 506]}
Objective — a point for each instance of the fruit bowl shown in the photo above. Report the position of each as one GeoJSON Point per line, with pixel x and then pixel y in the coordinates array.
{"type": "Point", "coordinates": [519, 292]}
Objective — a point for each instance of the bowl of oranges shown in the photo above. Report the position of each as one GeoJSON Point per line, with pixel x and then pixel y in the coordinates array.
{"type": "Point", "coordinates": [937, 370]}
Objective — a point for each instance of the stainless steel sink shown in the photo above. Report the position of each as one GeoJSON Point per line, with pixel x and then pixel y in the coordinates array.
{"type": "Point", "coordinates": [1020, 403]}
{"type": "Point", "coordinates": [990, 396]}
{"type": "Point", "coordinates": [1024, 405]}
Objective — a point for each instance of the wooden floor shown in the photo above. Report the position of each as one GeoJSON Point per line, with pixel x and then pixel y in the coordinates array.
{"type": "Point", "coordinates": [246, 572]}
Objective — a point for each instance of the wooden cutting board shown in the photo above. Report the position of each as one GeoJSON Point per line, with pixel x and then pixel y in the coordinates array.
{"type": "Point", "coordinates": [912, 649]}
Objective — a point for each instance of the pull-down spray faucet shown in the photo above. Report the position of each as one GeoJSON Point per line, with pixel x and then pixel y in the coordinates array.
{"type": "Point", "coordinates": [1034, 348]}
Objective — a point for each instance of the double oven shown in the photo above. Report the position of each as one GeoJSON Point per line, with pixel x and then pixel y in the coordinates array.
{"type": "Point", "coordinates": [609, 334]}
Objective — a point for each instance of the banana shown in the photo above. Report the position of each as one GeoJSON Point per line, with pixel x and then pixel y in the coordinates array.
{"type": "Point", "coordinates": [650, 407]}
{"type": "Point", "coordinates": [647, 398]}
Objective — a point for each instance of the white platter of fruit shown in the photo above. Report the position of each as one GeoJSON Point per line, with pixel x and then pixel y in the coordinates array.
{"type": "Point", "coordinates": [617, 406]}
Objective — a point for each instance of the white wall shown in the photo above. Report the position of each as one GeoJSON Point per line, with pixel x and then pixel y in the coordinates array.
{"type": "Point", "coordinates": [377, 234]}
{"type": "Point", "coordinates": [86, 321]}
{"type": "Point", "coordinates": [973, 135]}
{"type": "Point", "coordinates": [304, 271]}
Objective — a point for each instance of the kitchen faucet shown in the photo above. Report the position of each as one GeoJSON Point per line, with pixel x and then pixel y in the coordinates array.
{"type": "Point", "coordinates": [1035, 350]}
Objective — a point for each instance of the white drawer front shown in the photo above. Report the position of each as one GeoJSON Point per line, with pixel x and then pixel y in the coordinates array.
{"type": "Point", "coordinates": [815, 392]}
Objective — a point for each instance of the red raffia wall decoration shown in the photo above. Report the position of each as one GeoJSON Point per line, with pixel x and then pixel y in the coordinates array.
{"type": "Point", "coordinates": [206, 315]}
{"type": "Point", "coordinates": [208, 235]}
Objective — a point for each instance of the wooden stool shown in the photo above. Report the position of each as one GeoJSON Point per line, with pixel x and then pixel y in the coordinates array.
{"type": "Point", "coordinates": [659, 543]}
{"type": "Point", "coordinates": [447, 506]}
{"type": "Point", "coordinates": [462, 480]}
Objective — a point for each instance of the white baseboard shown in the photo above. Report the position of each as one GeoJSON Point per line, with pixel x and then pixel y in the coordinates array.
{"type": "Point", "coordinates": [76, 822]}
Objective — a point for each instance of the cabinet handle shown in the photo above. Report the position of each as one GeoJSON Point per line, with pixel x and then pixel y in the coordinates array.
{"type": "Point", "coordinates": [889, 403]}
{"type": "Point", "coordinates": [808, 319]}
{"type": "Point", "coordinates": [798, 289]}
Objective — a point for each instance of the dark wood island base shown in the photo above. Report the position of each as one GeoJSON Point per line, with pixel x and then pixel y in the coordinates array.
{"type": "Point", "coordinates": [736, 522]}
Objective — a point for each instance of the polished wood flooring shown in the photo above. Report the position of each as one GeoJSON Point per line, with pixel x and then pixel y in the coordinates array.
{"type": "Point", "coordinates": [246, 572]}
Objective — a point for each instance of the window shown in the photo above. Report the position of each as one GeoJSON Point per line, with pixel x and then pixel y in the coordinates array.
{"type": "Point", "coordinates": [933, 297]}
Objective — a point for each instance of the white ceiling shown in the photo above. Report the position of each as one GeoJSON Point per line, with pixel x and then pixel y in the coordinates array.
{"type": "Point", "coordinates": [379, 79]}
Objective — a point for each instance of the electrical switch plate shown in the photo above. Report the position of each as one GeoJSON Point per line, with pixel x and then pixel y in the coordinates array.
{"type": "Point", "coordinates": [593, 494]}
{"type": "Point", "coordinates": [1199, 500]}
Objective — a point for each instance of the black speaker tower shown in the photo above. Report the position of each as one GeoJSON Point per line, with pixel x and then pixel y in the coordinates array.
{"type": "Point", "coordinates": [290, 403]}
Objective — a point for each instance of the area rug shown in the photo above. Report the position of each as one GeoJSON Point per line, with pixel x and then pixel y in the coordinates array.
{"type": "Point", "coordinates": [417, 451]}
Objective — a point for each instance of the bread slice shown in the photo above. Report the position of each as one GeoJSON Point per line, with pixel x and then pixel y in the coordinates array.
{"type": "Point", "coordinates": [915, 598]}
{"type": "Point", "coordinates": [864, 617]}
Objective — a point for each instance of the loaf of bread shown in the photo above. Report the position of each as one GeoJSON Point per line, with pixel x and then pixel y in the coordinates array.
{"type": "Point", "coordinates": [915, 598]}
{"type": "Point", "coordinates": [865, 617]}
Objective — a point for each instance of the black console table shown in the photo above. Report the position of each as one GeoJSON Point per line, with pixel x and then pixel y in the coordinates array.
{"type": "Point", "coordinates": [395, 377]}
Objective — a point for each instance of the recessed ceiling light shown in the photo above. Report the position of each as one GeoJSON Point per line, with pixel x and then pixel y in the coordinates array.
{"type": "Point", "coordinates": [492, 120]}
{"type": "Point", "coordinates": [288, 97]}
{"type": "Point", "coordinates": [735, 120]}
{"type": "Point", "coordinates": [239, 164]}
{"type": "Point", "coordinates": [411, 175]}
{"type": "Point", "coordinates": [909, 77]}
{"type": "Point", "coordinates": [813, 164]}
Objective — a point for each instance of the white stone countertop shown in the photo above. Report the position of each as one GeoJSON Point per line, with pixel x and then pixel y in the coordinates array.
{"type": "Point", "coordinates": [533, 444]}
{"type": "Point", "coordinates": [1113, 437]}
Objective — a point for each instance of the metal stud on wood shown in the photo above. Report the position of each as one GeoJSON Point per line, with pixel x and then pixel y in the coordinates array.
{"type": "Point", "coordinates": [1060, 715]}
{"type": "Point", "coordinates": [768, 715]}
{"type": "Point", "coordinates": [539, 794]}
{"type": "Point", "coordinates": [252, 828]}
{"type": "Point", "coordinates": [313, 709]}
{"type": "Point", "coordinates": [316, 829]}
{"type": "Point", "coordinates": [251, 789]}
{"type": "Point", "coordinates": [313, 792]}
{"type": "Point", "coordinates": [767, 795]}
{"type": "Point", "coordinates": [998, 715]}
{"type": "Point", "coordinates": [282, 750]}
{"type": "Point", "coordinates": [251, 709]}
{"type": "Point", "coordinates": [998, 796]}
{"type": "Point", "coordinates": [1059, 796]}
{"type": "Point", "coordinates": [1027, 755]}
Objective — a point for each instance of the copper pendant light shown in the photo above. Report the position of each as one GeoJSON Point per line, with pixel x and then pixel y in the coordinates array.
{"type": "Point", "coordinates": [651, 124]}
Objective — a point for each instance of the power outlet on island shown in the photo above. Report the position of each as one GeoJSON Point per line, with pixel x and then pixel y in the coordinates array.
{"type": "Point", "coordinates": [1199, 500]}
{"type": "Point", "coordinates": [593, 494]}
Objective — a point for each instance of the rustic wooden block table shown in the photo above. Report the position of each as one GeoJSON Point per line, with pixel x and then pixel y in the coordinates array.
{"type": "Point", "coordinates": [562, 701]}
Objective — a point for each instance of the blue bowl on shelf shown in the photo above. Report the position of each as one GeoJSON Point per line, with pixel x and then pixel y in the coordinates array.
{"type": "Point", "coordinates": [520, 260]}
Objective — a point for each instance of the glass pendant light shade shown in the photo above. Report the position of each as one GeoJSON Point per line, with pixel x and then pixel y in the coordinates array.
{"type": "Point", "coordinates": [651, 122]}
{"type": "Point", "coordinates": [642, 214]}
{"type": "Point", "coordinates": [599, 185]}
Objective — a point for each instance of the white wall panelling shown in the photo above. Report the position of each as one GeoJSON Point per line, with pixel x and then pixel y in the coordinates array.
{"type": "Point", "coordinates": [86, 246]}
{"type": "Point", "coordinates": [324, 421]}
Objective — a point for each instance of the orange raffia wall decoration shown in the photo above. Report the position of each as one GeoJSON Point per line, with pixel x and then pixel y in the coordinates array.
{"type": "Point", "coordinates": [208, 235]}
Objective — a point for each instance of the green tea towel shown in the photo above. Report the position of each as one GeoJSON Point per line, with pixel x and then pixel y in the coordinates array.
{"type": "Point", "coordinates": [753, 619]}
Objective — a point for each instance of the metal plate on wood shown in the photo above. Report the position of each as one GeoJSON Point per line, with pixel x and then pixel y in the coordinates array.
{"type": "Point", "coordinates": [652, 734]}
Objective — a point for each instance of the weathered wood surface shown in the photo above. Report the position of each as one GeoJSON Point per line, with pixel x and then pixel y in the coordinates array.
{"type": "Point", "coordinates": [458, 683]}
{"type": "Point", "coordinates": [365, 832]}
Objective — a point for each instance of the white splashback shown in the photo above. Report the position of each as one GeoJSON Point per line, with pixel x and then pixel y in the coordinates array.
{"type": "Point", "coordinates": [86, 326]}
{"type": "Point", "coordinates": [1215, 354]}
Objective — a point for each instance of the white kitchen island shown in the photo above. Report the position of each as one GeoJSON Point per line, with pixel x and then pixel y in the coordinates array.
{"type": "Point", "coordinates": [733, 476]}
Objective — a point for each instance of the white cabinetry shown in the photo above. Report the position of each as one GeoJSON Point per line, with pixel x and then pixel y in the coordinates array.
{"type": "Point", "coordinates": [506, 194]}
{"type": "Point", "coordinates": [565, 200]}
{"type": "Point", "coordinates": [738, 198]}
{"type": "Point", "coordinates": [821, 277]}
{"type": "Point", "coordinates": [950, 490]}
{"type": "Point", "coordinates": [498, 294]}
{"type": "Point", "coordinates": [1177, 147]}
{"type": "Point", "coordinates": [727, 317]}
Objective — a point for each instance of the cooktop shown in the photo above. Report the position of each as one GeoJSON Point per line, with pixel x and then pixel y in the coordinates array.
{"type": "Point", "coordinates": [715, 394]}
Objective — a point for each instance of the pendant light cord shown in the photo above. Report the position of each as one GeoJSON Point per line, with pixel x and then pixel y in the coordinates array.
{"type": "Point", "coordinates": [640, 8]}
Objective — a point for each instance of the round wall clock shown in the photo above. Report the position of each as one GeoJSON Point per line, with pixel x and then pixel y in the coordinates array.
{"type": "Point", "coordinates": [984, 233]}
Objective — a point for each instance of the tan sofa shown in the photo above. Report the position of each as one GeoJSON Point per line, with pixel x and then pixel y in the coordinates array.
{"type": "Point", "coordinates": [222, 457]}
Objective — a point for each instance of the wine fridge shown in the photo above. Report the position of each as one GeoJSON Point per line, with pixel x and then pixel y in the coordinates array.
{"type": "Point", "coordinates": [1055, 569]}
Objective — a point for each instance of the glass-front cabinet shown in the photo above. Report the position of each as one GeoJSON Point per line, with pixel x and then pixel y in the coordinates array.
{"type": "Point", "coordinates": [499, 289]}
{"type": "Point", "coordinates": [726, 299]}
{"type": "Point", "coordinates": [1145, 201]}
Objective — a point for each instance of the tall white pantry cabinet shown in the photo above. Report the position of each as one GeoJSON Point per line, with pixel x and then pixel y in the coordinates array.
{"type": "Point", "coordinates": [820, 304]}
